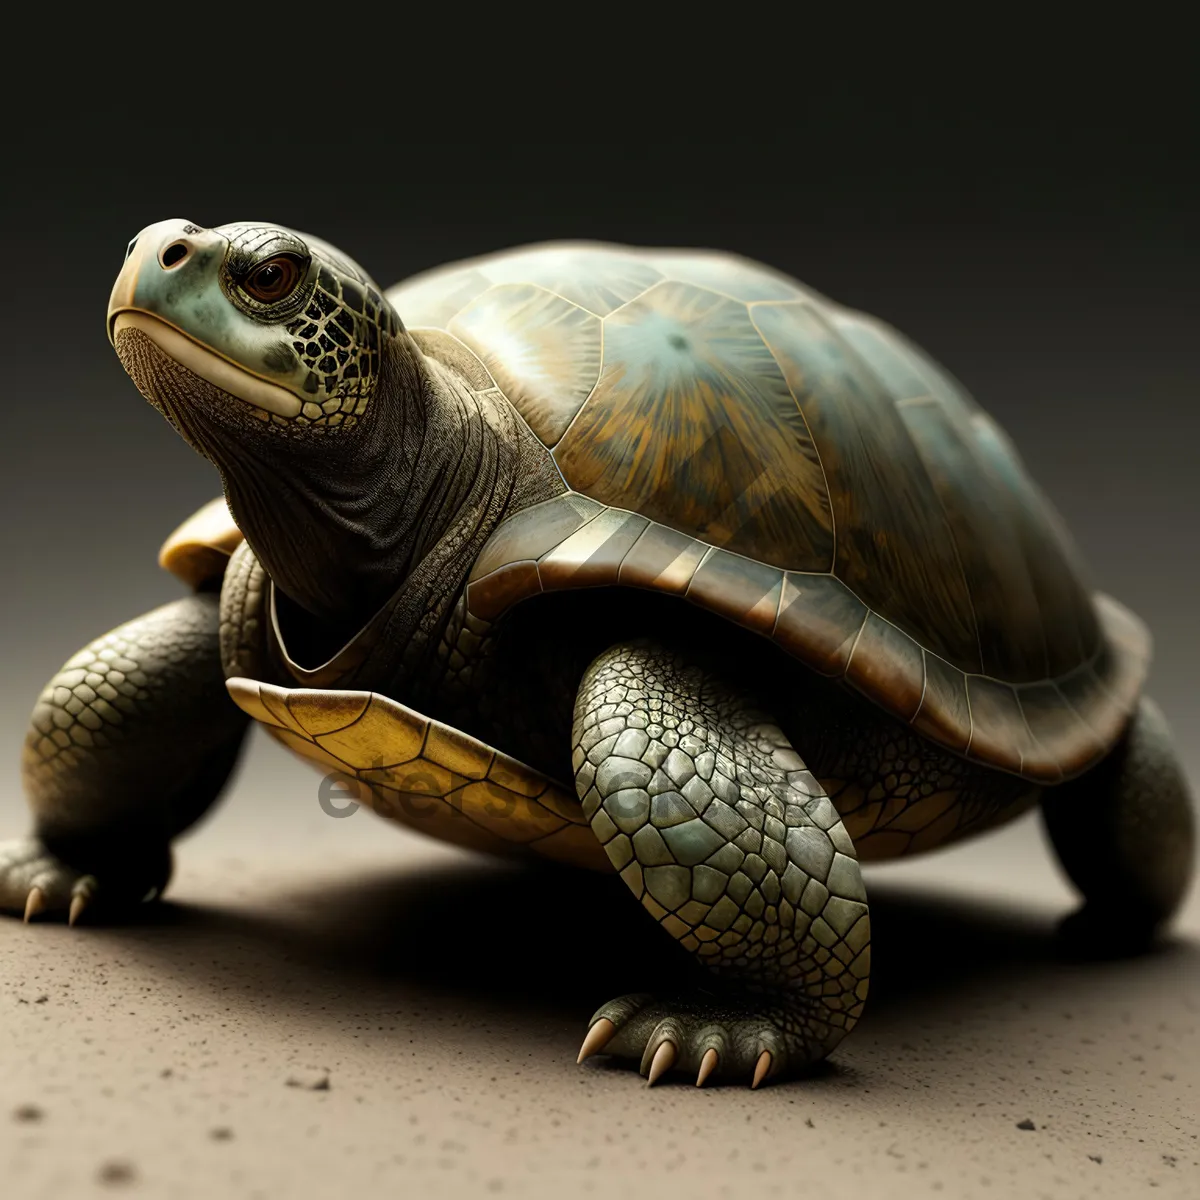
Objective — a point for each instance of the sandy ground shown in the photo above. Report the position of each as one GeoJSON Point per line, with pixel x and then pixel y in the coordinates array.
{"type": "Point", "coordinates": [334, 1008]}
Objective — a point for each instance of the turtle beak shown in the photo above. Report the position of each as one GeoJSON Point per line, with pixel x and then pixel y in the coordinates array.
{"type": "Point", "coordinates": [152, 259]}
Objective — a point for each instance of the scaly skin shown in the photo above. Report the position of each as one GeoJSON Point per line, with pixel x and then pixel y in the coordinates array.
{"type": "Point", "coordinates": [128, 745]}
{"type": "Point", "coordinates": [1126, 835]}
{"type": "Point", "coordinates": [733, 847]}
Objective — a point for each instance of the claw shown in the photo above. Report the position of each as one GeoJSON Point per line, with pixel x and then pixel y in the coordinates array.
{"type": "Point", "coordinates": [597, 1038]}
{"type": "Point", "coordinates": [761, 1068]}
{"type": "Point", "coordinates": [663, 1061]}
{"type": "Point", "coordinates": [708, 1064]}
{"type": "Point", "coordinates": [35, 903]}
{"type": "Point", "coordinates": [78, 903]}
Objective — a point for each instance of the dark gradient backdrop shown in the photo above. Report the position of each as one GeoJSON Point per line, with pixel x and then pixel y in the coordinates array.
{"type": "Point", "coordinates": [1051, 269]}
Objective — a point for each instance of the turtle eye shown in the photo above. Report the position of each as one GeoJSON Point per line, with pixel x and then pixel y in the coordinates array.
{"type": "Point", "coordinates": [274, 279]}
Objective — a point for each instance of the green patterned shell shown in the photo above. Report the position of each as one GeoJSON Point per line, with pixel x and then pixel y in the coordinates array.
{"type": "Point", "coordinates": [800, 468]}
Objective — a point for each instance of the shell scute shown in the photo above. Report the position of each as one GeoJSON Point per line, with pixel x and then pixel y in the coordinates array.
{"type": "Point", "coordinates": [693, 425]}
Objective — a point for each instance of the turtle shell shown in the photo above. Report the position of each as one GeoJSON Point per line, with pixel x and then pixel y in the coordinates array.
{"type": "Point", "coordinates": [730, 436]}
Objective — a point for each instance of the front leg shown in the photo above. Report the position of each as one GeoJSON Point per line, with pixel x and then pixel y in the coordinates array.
{"type": "Point", "coordinates": [128, 745]}
{"type": "Point", "coordinates": [717, 826]}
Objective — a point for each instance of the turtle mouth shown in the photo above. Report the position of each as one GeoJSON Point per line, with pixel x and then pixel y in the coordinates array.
{"type": "Point", "coordinates": [200, 361]}
{"type": "Point", "coordinates": [214, 422]}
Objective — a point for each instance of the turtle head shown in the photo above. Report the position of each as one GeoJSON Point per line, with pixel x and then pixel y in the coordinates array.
{"type": "Point", "coordinates": [246, 324]}
{"type": "Point", "coordinates": [279, 360]}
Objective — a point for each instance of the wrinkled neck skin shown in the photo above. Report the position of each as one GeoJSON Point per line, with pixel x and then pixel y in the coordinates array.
{"type": "Point", "coordinates": [407, 496]}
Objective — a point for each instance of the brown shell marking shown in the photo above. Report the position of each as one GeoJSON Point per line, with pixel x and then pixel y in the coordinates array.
{"type": "Point", "coordinates": [1069, 624]}
{"type": "Point", "coordinates": [692, 424]}
{"type": "Point", "coordinates": [894, 550]}
{"type": "Point", "coordinates": [820, 620]}
{"type": "Point", "coordinates": [423, 774]}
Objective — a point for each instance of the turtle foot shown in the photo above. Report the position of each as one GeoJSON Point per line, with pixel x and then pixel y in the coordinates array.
{"type": "Point", "coordinates": [738, 1037]}
{"type": "Point", "coordinates": [36, 883]}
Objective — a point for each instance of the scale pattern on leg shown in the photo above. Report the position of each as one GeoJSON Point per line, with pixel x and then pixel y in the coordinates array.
{"type": "Point", "coordinates": [128, 744]}
{"type": "Point", "coordinates": [143, 709]}
{"type": "Point", "coordinates": [717, 826]}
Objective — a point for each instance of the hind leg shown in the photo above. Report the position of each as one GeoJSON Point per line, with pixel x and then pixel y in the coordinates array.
{"type": "Point", "coordinates": [128, 745]}
{"type": "Point", "coordinates": [1125, 834]}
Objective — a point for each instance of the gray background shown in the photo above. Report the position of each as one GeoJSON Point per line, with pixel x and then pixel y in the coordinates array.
{"type": "Point", "coordinates": [1052, 269]}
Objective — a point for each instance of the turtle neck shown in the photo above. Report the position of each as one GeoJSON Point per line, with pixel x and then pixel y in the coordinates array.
{"type": "Point", "coordinates": [340, 521]}
{"type": "Point", "coordinates": [344, 520]}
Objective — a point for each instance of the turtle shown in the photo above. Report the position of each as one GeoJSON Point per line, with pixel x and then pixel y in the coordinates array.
{"type": "Point", "coordinates": [650, 562]}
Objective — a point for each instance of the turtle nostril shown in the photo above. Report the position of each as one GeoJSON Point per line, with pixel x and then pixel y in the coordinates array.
{"type": "Point", "coordinates": [174, 253]}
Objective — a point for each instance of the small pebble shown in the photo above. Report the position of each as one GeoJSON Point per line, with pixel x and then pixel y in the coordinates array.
{"type": "Point", "coordinates": [313, 1084]}
{"type": "Point", "coordinates": [222, 1134]}
{"type": "Point", "coordinates": [116, 1173]}
{"type": "Point", "coordinates": [28, 1112]}
{"type": "Point", "coordinates": [1026, 1124]}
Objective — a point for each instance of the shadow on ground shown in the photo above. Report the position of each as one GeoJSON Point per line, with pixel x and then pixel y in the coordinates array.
{"type": "Point", "coordinates": [537, 944]}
